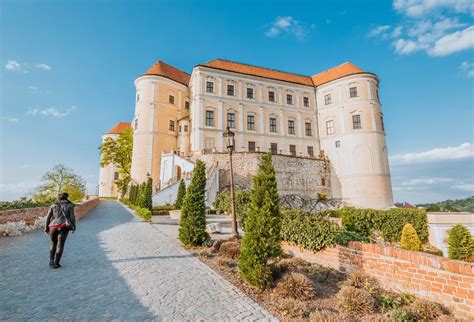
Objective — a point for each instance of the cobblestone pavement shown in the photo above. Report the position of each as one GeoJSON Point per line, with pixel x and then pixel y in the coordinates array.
{"type": "Point", "coordinates": [114, 267]}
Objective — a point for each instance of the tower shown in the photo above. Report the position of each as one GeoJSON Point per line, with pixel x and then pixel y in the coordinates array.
{"type": "Point", "coordinates": [352, 135]}
{"type": "Point", "coordinates": [160, 101]}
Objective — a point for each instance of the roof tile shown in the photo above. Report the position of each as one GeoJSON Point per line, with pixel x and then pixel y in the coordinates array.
{"type": "Point", "coordinates": [119, 128]}
{"type": "Point", "coordinates": [161, 68]}
{"type": "Point", "coordinates": [331, 74]}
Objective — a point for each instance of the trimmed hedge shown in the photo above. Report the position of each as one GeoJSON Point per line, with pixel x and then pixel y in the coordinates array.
{"type": "Point", "coordinates": [142, 212]}
{"type": "Point", "coordinates": [24, 203]}
{"type": "Point", "coordinates": [389, 222]}
{"type": "Point", "coordinates": [313, 231]}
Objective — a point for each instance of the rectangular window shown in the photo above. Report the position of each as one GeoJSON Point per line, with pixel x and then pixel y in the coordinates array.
{"type": "Point", "coordinates": [209, 118]}
{"type": "Point", "coordinates": [171, 99]}
{"type": "Point", "coordinates": [273, 125]}
{"type": "Point", "coordinates": [210, 87]}
{"type": "Point", "coordinates": [353, 91]}
{"type": "Point", "coordinates": [186, 106]}
{"type": "Point", "coordinates": [293, 150]}
{"type": "Point", "coordinates": [231, 120]}
{"type": "Point", "coordinates": [171, 126]}
{"type": "Point", "coordinates": [274, 148]}
{"type": "Point", "coordinates": [249, 92]}
{"type": "Point", "coordinates": [381, 122]}
{"type": "Point", "coordinates": [116, 175]}
{"type": "Point", "coordinates": [306, 101]}
{"type": "Point", "coordinates": [271, 96]}
{"type": "Point", "coordinates": [310, 151]}
{"type": "Point", "coordinates": [308, 129]}
{"type": "Point", "coordinates": [251, 122]}
{"type": "Point", "coordinates": [289, 99]}
{"type": "Point", "coordinates": [291, 127]}
{"type": "Point", "coordinates": [230, 90]}
{"type": "Point", "coordinates": [338, 144]}
{"type": "Point", "coordinates": [356, 122]}
{"type": "Point", "coordinates": [179, 128]}
{"type": "Point", "coordinates": [327, 99]}
{"type": "Point", "coordinates": [209, 143]}
{"type": "Point", "coordinates": [251, 146]}
{"type": "Point", "coordinates": [330, 127]}
{"type": "Point", "coordinates": [185, 128]}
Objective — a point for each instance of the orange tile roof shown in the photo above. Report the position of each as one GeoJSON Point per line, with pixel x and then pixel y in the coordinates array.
{"type": "Point", "coordinates": [119, 128]}
{"type": "Point", "coordinates": [163, 69]}
{"type": "Point", "coordinates": [331, 74]}
{"type": "Point", "coordinates": [258, 71]}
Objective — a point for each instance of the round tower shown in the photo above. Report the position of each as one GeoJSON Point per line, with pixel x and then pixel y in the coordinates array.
{"type": "Point", "coordinates": [353, 136]}
{"type": "Point", "coordinates": [161, 99]}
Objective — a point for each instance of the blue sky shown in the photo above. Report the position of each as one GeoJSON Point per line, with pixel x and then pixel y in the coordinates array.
{"type": "Point", "coordinates": [67, 72]}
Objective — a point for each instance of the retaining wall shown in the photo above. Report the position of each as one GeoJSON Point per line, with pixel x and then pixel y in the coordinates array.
{"type": "Point", "coordinates": [435, 278]}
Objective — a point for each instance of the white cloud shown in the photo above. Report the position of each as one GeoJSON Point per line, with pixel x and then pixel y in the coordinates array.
{"type": "Point", "coordinates": [457, 41]}
{"type": "Point", "coordinates": [13, 66]}
{"type": "Point", "coordinates": [11, 119]}
{"type": "Point", "coordinates": [379, 30]}
{"type": "Point", "coordinates": [464, 187]}
{"type": "Point", "coordinates": [406, 47]}
{"type": "Point", "coordinates": [51, 111]}
{"type": "Point", "coordinates": [419, 8]}
{"type": "Point", "coordinates": [33, 88]}
{"type": "Point", "coordinates": [465, 150]}
{"type": "Point", "coordinates": [467, 68]}
{"type": "Point", "coordinates": [425, 181]}
{"type": "Point", "coordinates": [287, 26]}
{"type": "Point", "coordinates": [43, 66]}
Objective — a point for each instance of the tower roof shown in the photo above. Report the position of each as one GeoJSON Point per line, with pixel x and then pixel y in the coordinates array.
{"type": "Point", "coordinates": [161, 68]}
{"type": "Point", "coordinates": [119, 128]}
{"type": "Point", "coordinates": [331, 74]}
{"type": "Point", "coordinates": [258, 71]}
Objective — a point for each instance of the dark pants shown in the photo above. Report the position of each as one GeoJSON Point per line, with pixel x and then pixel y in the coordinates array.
{"type": "Point", "coordinates": [58, 238]}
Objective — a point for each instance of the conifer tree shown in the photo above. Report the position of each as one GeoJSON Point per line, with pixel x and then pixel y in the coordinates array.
{"type": "Point", "coordinates": [261, 241]}
{"type": "Point", "coordinates": [131, 194]}
{"type": "Point", "coordinates": [192, 226]}
{"type": "Point", "coordinates": [181, 193]}
{"type": "Point", "coordinates": [148, 194]}
{"type": "Point", "coordinates": [410, 239]}
{"type": "Point", "coordinates": [460, 244]}
{"type": "Point", "coordinates": [141, 195]}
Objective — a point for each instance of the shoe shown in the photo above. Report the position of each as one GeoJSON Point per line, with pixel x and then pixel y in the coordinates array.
{"type": "Point", "coordinates": [55, 266]}
{"type": "Point", "coordinates": [58, 265]}
{"type": "Point", "coordinates": [51, 263]}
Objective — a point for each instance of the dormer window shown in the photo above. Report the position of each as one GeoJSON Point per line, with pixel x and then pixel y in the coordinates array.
{"type": "Point", "coordinates": [250, 92]}
{"type": "Point", "coordinates": [209, 87]}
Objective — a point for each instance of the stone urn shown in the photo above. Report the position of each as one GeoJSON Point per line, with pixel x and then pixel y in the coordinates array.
{"type": "Point", "coordinates": [175, 214]}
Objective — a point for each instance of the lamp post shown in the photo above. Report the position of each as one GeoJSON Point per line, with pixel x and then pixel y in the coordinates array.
{"type": "Point", "coordinates": [229, 138]}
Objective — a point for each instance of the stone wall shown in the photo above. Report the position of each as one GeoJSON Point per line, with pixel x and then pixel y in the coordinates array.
{"type": "Point", "coordinates": [435, 278]}
{"type": "Point", "coordinates": [14, 222]}
{"type": "Point", "coordinates": [295, 175]}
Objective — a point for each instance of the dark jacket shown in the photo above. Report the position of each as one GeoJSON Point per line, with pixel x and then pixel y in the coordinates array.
{"type": "Point", "coordinates": [55, 215]}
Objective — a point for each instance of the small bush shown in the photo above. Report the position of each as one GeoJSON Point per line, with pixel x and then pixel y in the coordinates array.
{"type": "Point", "coordinates": [460, 244]}
{"type": "Point", "coordinates": [409, 239]}
{"type": "Point", "coordinates": [223, 203]}
{"type": "Point", "coordinates": [324, 316]}
{"type": "Point", "coordinates": [230, 249]}
{"type": "Point", "coordinates": [400, 315]}
{"type": "Point", "coordinates": [425, 310]}
{"type": "Point", "coordinates": [406, 298]}
{"type": "Point", "coordinates": [387, 302]}
{"type": "Point", "coordinates": [292, 308]}
{"type": "Point", "coordinates": [355, 302]}
{"type": "Point", "coordinates": [365, 282]}
{"type": "Point", "coordinates": [296, 286]}
{"type": "Point", "coordinates": [345, 236]}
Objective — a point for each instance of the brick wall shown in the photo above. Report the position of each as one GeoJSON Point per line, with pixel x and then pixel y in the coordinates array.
{"type": "Point", "coordinates": [435, 278]}
{"type": "Point", "coordinates": [29, 215]}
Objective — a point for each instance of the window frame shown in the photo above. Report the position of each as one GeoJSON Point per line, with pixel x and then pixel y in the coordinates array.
{"type": "Point", "coordinates": [327, 99]}
{"type": "Point", "coordinates": [209, 87]}
{"type": "Point", "coordinates": [171, 99]}
{"type": "Point", "coordinates": [210, 120]}
{"type": "Point", "coordinates": [251, 125]}
{"type": "Point", "coordinates": [274, 145]}
{"type": "Point", "coordinates": [273, 124]}
{"type": "Point", "coordinates": [330, 129]}
{"type": "Point", "coordinates": [308, 129]}
{"type": "Point", "coordinates": [271, 98]}
{"type": "Point", "coordinates": [187, 105]}
{"type": "Point", "coordinates": [305, 101]}
{"type": "Point", "coordinates": [249, 144]}
{"type": "Point", "coordinates": [172, 125]}
{"type": "Point", "coordinates": [289, 99]}
{"type": "Point", "coordinates": [250, 93]}
{"type": "Point", "coordinates": [293, 149]}
{"type": "Point", "coordinates": [291, 129]}
{"type": "Point", "coordinates": [356, 122]}
{"type": "Point", "coordinates": [353, 92]}
{"type": "Point", "coordinates": [229, 91]}
{"type": "Point", "coordinates": [310, 150]}
{"type": "Point", "coordinates": [230, 120]}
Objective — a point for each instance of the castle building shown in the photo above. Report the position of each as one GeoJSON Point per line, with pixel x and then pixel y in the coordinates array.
{"type": "Point", "coordinates": [327, 127]}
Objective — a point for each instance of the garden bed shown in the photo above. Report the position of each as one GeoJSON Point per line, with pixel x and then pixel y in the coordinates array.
{"type": "Point", "coordinates": [322, 299]}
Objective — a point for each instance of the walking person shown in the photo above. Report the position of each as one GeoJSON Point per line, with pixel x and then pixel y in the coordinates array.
{"type": "Point", "coordinates": [59, 221]}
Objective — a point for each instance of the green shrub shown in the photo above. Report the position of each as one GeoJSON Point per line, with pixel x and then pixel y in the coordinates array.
{"type": "Point", "coordinates": [422, 310]}
{"type": "Point", "coordinates": [388, 303]}
{"type": "Point", "coordinates": [192, 226]}
{"type": "Point", "coordinates": [181, 193]}
{"type": "Point", "coordinates": [400, 315]}
{"type": "Point", "coordinates": [389, 222]}
{"type": "Point", "coordinates": [142, 212]}
{"type": "Point", "coordinates": [262, 239]}
{"type": "Point", "coordinates": [242, 201]}
{"type": "Point", "coordinates": [460, 244]}
{"type": "Point", "coordinates": [147, 194]}
{"type": "Point", "coordinates": [410, 240]}
{"type": "Point", "coordinates": [163, 207]}
{"type": "Point", "coordinates": [24, 203]}
{"type": "Point", "coordinates": [345, 236]}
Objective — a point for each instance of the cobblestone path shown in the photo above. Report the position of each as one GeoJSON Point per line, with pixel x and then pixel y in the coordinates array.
{"type": "Point", "coordinates": [114, 267]}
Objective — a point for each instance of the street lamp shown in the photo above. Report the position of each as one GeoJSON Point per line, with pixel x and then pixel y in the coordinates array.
{"type": "Point", "coordinates": [229, 138]}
